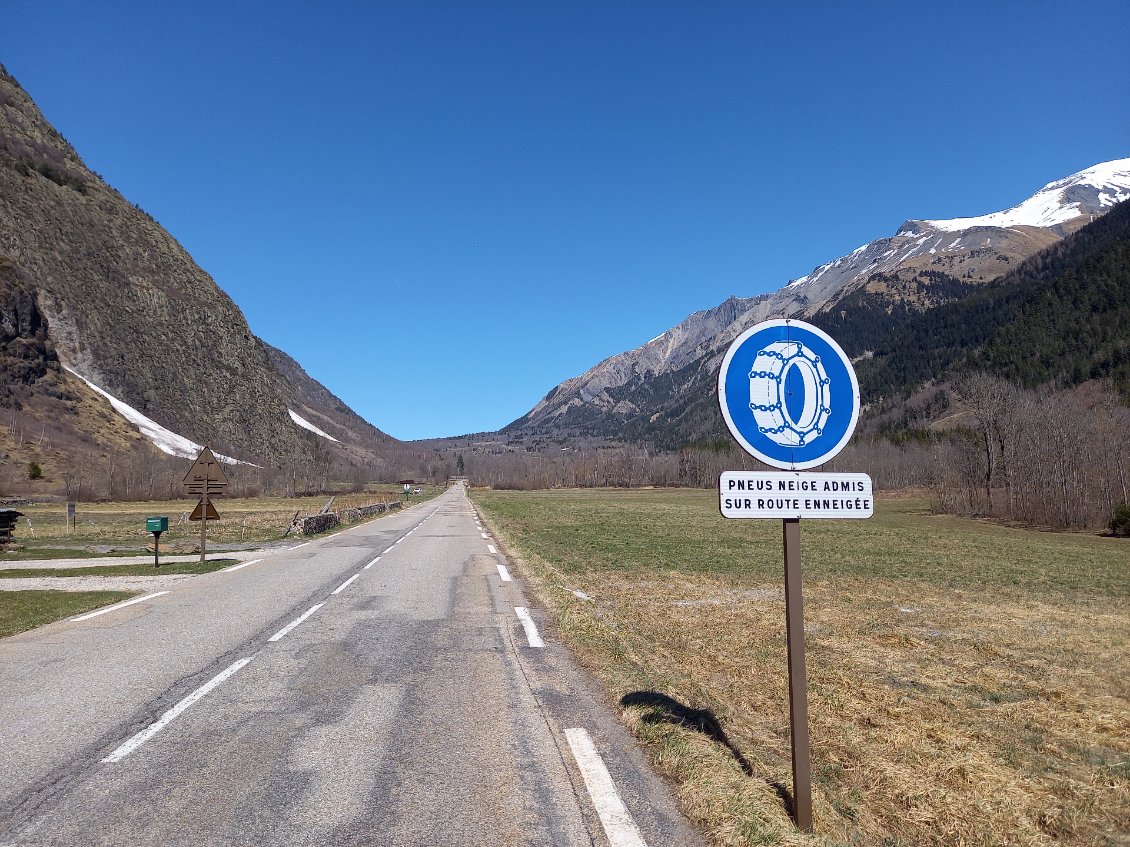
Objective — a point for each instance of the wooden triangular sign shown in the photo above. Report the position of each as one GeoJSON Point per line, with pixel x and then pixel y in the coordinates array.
{"type": "Point", "coordinates": [206, 468]}
{"type": "Point", "coordinates": [213, 515]}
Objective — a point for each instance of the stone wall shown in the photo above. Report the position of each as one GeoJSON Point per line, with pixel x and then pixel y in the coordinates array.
{"type": "Point", "coordinates": [313, 524]}
{"type": "Point", "coordinates": [354, 515]}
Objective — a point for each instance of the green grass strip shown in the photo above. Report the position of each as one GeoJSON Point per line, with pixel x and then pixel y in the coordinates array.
{"type": "Point", "coordinates": [23, 610]}
{"type": "Point", "coordinates": [171, 568]}
{"type": "Point", "coordinates": [29, 554]}
{"type": "Point", "coordinates": [629, 532]}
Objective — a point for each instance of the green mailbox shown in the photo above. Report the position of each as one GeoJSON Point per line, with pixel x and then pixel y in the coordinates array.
{"type": "Point", "coordinates": [157, 526]}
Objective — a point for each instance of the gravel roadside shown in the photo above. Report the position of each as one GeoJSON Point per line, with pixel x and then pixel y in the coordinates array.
{"type": "Point", "coordinates": [93, 583]}
{"type": "Point", "coordinates": [157, 582]}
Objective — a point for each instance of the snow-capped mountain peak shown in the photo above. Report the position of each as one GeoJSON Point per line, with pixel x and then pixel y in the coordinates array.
{"type": "Point", "coordinates": [961, 246]}
{"type": "Point", "coordinates": [1097, 188]}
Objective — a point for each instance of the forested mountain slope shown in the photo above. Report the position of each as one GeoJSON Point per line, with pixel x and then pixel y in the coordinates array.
{"type": "Point", "coordinates": [1062, 317]}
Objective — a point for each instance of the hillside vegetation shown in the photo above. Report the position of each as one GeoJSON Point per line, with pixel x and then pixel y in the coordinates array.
{"type": "Point", "coordinates": [1061, 318]}
{"type": "Point", "coordinates": [91, 283]}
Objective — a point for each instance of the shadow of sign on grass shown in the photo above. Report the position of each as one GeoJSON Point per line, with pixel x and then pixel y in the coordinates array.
{"type": "Point", "coordinates": [659, 708]}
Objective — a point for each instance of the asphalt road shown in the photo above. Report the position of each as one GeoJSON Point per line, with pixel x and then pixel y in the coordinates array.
{"type": "Point", "coordinates": [323, 696]}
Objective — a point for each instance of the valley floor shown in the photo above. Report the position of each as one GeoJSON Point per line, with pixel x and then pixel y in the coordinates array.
{"type": "Point", "coordinates": [969, 683]}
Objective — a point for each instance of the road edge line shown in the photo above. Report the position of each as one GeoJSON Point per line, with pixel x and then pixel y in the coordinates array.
{"type": "Point", "coordinates": [614, 816]}
{"type": "Point", "coordinates": [116, 606]}
{"type": "Point", "coordinates": [528, 624]}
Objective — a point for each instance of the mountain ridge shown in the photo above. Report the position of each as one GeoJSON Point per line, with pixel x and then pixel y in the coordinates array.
{"type": "Point", "coordinates": [125, 306]}
{"type": "Point", "coordinates": [924, 264]}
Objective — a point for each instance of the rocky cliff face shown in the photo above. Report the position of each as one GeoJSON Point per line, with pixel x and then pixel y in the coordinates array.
{"type": "Point", "coordinates": [124, 304]}
{"type": "Point", "coordinates": [26, 353]}
{"type": "Point", "coordinates": [664, 391]}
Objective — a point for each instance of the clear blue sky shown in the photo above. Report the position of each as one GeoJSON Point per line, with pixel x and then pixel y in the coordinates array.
{"type": "Point", "coordinates": [493, 196]}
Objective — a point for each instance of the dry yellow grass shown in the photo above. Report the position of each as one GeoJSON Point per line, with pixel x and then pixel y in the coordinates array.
{"type": "Point", "coordinates": [123, 523]}
{"type": "Point", "coordinates": [941, 714]}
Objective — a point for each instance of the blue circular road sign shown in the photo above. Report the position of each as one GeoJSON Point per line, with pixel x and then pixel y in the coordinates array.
{"type": "Point", "coordinates": [789, 394]}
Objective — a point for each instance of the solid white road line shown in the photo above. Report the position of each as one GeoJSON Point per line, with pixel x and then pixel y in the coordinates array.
{"type": "Point", "coordinates": [529, 625]}
{"type": "Point", "coordinates": [117, 606]}
{"type": "Point", "coordinates": [297, 546]}
{"type": "Point", "coordinates": [282, 632]}
{"type": "Point", "coordinates": [171, 715]}
{"type": "Point", "coordinates": [614, 815]}
{"type": "Point", "coordinates": [492, 550]}
{"type": "Point", "coordinates": [505, 574]}
{"type": "Point", "coordinates": [371, 563]}
{"type": "Point", "coordinates": [345, 584]}
{"type": "Point", "coordinates": [242, 565]}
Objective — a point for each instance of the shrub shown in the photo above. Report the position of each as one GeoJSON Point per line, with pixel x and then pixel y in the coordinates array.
{"type": "Point", "coordinates": [1120, 520]}
{"type": "Point", "coordinates": [34, 471]}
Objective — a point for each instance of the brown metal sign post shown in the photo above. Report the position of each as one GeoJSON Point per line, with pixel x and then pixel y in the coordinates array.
{"type": "Point", "coordinates": [204, 523]}
{"type": "Point", "coordinates": [790, 398]}
{"type": "Point", "coordinates": [798, 679]}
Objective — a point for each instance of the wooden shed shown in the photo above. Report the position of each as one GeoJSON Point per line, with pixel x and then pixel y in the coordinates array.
{"type": "Point", "coordinates": [8, 520]}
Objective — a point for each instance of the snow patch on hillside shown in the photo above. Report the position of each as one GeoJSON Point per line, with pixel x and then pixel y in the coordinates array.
{"type": "Point", "coordinates": [163, 439]}
{"type": "Point", "coordinates": [305, 424]}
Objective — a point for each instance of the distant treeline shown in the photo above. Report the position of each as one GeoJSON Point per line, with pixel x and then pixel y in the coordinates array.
{"type": "Point", "coordinates": [1056, 458]}
{"type": "Point", "coordinates": [1051, 458]}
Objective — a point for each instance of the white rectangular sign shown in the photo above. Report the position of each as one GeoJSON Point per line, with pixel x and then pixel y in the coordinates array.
{"type": "Point", "coordinates": [793, 494]}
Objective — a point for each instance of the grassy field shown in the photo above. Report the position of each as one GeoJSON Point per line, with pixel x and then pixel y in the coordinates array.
{"type": "Point", "coordinates": [22, 610]}
{"type": "Point", "coordinates": [122, 524]}
{"type": "Point", "coordinates": [969, 683]}
{"type": "Point", "coordinates": [122, 527]}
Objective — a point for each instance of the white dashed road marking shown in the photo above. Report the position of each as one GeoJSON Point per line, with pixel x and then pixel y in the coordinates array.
{"type": "Point", "coordinates": [172, 714]}
{"type": "Point", "coordinates": [117, 606]}
{"type": "Point", "coordinates": [371, 563]}
{"type": "Point", "coordinates": [491, 548]}
{"type": "Point", "coordinates": [529, 625]}
{"type": "Point", "coordinates": [282, 632]}
{"type": "Point", "coordinates": [505, 574]}
{"type": "Point", "coordinates": [241, 565]}
{"type": "Point", "coordinates": [614, 815]}
{"type": "Point", "coordinates": [345, 584]}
